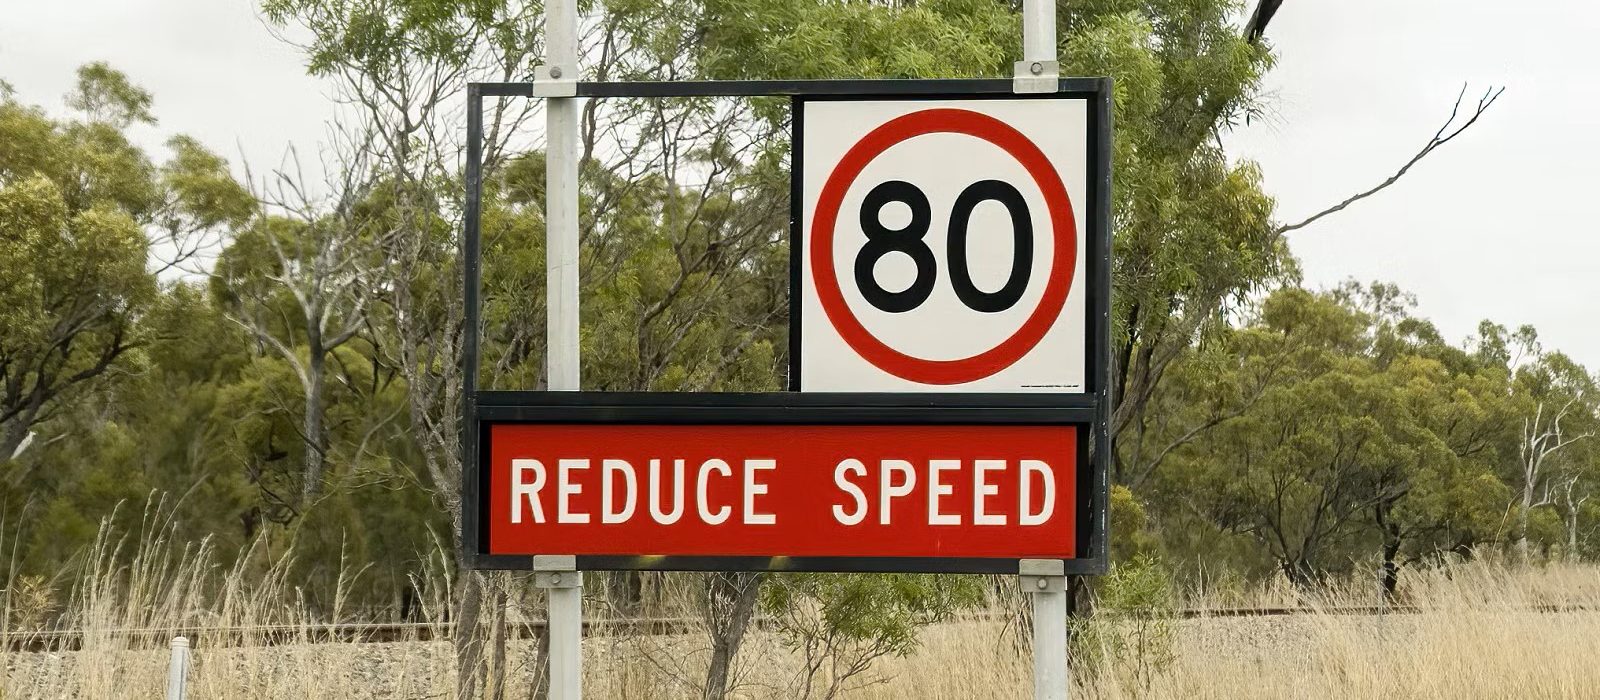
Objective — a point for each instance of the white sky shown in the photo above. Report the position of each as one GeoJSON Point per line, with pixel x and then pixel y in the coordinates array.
{"type": "Point", "coordinates": [1498, 225]}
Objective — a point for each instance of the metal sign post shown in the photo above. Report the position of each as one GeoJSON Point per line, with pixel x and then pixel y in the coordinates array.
{"type": "Point", "coordinates": [1038, 69]}
{"type": "Point", "coordinates": [563, 588]}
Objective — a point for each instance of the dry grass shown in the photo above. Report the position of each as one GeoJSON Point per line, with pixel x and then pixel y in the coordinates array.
{"type": "Point", "coordinates": [1479, 636]}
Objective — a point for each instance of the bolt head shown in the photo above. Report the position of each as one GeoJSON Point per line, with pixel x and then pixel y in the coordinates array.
{"type": "Point", "coordinates": [1037, 68]}
{"type": "Point", "coordinates": [555, 72]}
{"type": "Point", "coordinates": [555, 578]}
{"type": "Point", "coordinates": [1040, 582]}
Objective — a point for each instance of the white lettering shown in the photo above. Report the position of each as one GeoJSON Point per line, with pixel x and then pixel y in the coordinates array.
{"type": "Point", "coordinates": [938, 489]}
{"type": "Point", "coordinates": [753, 489]}
{"type": "Point", "coordinates": [860, 514]}
{"type": "Point", "coordinates": [610, 468]}
{"type": "Point", "coordinates": [566, 489]}
{"type": "Point", "coordinates": [887, 491]}
{"type": "Point", "coordinates": [982, 490]}
{"type": "Point", "coordinates": [655, 492]}
{"type": "Point", "coordinates": [722, 513]}
{"type": "Point", "coordinates": [1029, 468]}
{"type": "Point", "coordinates": [521, 490]}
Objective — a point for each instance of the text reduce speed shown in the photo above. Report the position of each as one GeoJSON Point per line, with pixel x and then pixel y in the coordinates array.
{"type": "Point", "coordinates": [743, 490]}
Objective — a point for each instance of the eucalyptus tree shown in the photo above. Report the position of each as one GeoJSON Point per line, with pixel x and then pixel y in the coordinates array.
{"type": "Point", "coordinates": [299, 278]}
{"type": "Point", "coordinates": [80, 209]}
{"type": "Point", "coordinates": [1558, 399]}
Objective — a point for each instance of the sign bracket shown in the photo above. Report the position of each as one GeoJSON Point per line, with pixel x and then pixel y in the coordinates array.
{"type": "Point", "coordinates": [1033, 77]}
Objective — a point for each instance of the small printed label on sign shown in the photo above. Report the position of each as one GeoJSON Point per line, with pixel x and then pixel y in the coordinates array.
{"type": "Point", "coordinates": [1003, 491]}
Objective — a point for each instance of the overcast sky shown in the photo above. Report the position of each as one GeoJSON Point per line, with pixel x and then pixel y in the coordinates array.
{"type": "Point", "coordinates": [1498, 225]}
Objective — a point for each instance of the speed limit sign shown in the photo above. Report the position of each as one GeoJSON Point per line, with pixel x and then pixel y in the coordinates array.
{"type": "Point", "coordinates": [941, 244]}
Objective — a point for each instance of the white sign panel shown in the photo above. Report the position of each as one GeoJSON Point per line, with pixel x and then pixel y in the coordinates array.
{"type": "Point", "coordinates": [942, 245]}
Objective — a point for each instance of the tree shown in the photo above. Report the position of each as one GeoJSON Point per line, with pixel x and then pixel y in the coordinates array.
{"type": "Point", "coordinates": [79, 206]}
{"type": "Point", "coordinates": [300, 283]}
{"type": "Point", "coordinates": [400, 66]}
{"type": "Point", "coordinates": [1558, 398]}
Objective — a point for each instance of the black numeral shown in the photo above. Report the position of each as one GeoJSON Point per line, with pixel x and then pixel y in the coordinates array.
{"type": "Point", "coordinates": [882, 240]}
{"type": "Point", "coordinates": [1021, 248]}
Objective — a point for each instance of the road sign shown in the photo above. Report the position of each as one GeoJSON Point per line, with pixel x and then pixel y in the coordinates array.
{"type": "Point", "coordinates": [862, 491]}
{"type": "Point", "coordinates": [942, 244]}
{"type": "Point", "coordinates": [949, 339]}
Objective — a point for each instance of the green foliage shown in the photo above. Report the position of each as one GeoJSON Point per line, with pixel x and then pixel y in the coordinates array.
{"type": "Point", "coordinates": [841, 623]}
{"type": "Point", "coordinates": [1131, 536]}
{"type": "Point", "coordinates": [73, 199]}
{"type": "Point", "coordinates": [106, 95]}
{"type": "Point", "coordinates": [132, 388]}
{"type": "Point", "coordinates": [1133, 632]}
{"type": "Point", "coordinates": [809, 39]}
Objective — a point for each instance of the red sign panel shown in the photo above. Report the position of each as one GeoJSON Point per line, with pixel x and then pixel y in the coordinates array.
{"type": "Point", "coordinates": [1001, 491]}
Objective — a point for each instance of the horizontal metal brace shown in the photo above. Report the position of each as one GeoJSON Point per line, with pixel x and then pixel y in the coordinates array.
{"type": "Point", "coordinates": [892, 87]}
{"type": "Point", "coordinates": [1035, 77]}
{"type": "Point", "coordinates": [555, 81]}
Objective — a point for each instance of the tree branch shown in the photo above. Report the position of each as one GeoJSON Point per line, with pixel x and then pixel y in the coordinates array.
{"type": "Point", "coordinates": [1445, 134]}
{"type": "Point", "coordinates": [1257, 26]}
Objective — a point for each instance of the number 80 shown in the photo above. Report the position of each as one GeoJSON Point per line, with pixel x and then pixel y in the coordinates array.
{"type": "Point", "coordinates": [882, 240]}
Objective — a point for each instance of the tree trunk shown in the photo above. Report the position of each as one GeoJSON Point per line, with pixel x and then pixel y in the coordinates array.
{"type": "Point", "coordinates": [730, 605]}
{"type": "Point", "coordinates": [1299, 573]}
{"type": "Point", "coordinates": [1572, 530]}
{"type": "Point", "coordinates": [1522, 520]}
{"type": "Point", "coordinates": [312, 425]}
{"type": "Point", "coordinates": [496, 683]}
{"type": "Point", "coordinates": [625, 591]}
{"type": "Point", "coordinates": [11, 437]}
{"type": "Point", "coordinates": [541, 663]}
{"type": "Point", "coordinates": [1389, 577]}
{"type": "Point", "coordinates": [468, 635]}
{"type": "Point", "coordinates": [1391, 567]}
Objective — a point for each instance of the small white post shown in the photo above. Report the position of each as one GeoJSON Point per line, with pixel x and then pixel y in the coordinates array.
{"type": "Point", "coordinates": [178, 669]}
{"type": "Point", "coordinates": [565, 589]}
{"type": "Point", "coordinates": [1044, 581]}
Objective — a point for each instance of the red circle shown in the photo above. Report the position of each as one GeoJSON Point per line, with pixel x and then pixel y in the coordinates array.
{"type": "Point", "coordinates": [1012, 349]}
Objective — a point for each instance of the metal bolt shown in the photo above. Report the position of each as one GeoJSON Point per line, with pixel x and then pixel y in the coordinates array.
{"type": "Point", "coordinates": [1040, 582]}
{"type": "Point", "coordinates": [1037, 68]}
{"type": "Point", "coordinates": [555, 72]}
{"type": "Point", "coordinates": [555, 578]}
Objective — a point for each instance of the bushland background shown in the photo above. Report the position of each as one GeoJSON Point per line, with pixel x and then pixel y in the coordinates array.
{"type": "Point", "coordinates": [229, 392]}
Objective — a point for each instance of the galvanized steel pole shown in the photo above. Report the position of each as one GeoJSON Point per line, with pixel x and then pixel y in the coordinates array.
{"type": "Point", "coordinates": [1039, 30]}
{"type": "Point", "coordinates": [561, 199]}
{"type": "Point", "coordinates": [1050, 680]}
{"type": "Point", "coordinates": [1045, 582]}
{"type": "Point", "coordinates": [561, 241]}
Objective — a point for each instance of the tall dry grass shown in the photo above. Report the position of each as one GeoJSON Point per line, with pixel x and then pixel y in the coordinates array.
{"type": "Point", "coordinates": [1483, 630]}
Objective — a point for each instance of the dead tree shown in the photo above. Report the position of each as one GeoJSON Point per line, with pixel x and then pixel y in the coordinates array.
{"type": "Point", "coordinates": [1542, 438]}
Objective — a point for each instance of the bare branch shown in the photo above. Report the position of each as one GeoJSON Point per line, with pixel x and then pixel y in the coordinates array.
{"type": "Point", "coordinates": [1445, 134]}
